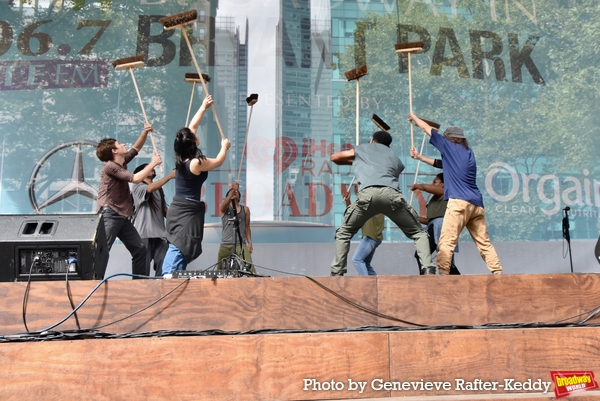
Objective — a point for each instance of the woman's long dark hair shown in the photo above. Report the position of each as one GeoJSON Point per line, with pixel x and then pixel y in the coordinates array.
{"type": "Point", "coordinates": [185, 148]}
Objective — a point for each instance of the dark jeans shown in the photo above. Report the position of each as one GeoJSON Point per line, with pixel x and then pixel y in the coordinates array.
{"type": "Point", "coordinates": [117, 226]}
{"type": "Point", "coordinates": [156, 251]}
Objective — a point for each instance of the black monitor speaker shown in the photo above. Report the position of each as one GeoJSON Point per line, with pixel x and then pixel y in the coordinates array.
{"type": "Point", "coordinates": [50, 247]}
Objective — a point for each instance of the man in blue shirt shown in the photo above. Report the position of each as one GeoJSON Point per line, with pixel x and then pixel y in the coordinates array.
{"type": "Point", "coordinates": [465, 202]}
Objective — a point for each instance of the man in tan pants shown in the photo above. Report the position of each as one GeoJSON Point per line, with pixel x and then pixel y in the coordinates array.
{"type": "Point", "coordinates": [465, 202]}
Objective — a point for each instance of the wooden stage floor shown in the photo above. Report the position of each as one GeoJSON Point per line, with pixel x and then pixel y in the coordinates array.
{"type": "Point", "coordinates": [300, 338]}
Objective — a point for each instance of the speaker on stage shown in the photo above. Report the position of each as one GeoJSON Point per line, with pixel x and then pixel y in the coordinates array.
{"type": "Point", "coordinates": [48, 247]}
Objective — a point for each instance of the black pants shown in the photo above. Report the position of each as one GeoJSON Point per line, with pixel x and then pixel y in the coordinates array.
{"type": "Point", "coordinates": [117, 226]}
{"type": "Point", "coordinates": [433, 248]}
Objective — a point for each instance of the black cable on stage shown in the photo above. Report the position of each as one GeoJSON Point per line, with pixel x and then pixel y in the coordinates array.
{"type": "Point", "coordinates": [26, 294]}
{"type": "Point", "coordinates": [348, 301]}
{"type": "Point", "coordinates": [143, 309]}
{"type": "Point", "coordinates": [71, 298]}
{"type": "Point", "coordinates": [47, 334]}
{"type": "Point", "coordinates": [85, 300]}
{"type": "Point", "coordinates": [91, 334]}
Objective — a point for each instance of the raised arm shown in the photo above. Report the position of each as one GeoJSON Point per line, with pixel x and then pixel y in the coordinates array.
{"type": "Point", "coordinates": [345, 157]}
{"type": "Point", "coordinates": [227, 201]}
{"type": "Point", "coordinates": [420, 123]}
{"type": "Point", "coordinates": [415, 155]}
{"type": "Point", "coordinates": [198, 166]}
{"type": "Point", "coordinates": [155, 185]}
{"type": "Point", "coordinates": [195, 123]}
{"type": "Point", "coordinates": [248, 231]}
{"type": "Point", "coordinates": [141, 175]}
{"type": "Point", "coordinates": [139, 143]}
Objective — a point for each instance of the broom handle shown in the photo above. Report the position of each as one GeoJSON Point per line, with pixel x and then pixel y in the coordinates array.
{"type": "Point", "coordinates": [244, 148]}
{"type": "Point", "coordinates": [357, 111]}
{"type": "Point", "coordinates": [187, 40]}
{"type": "Point", "coordinates": [144, 112]}
{"type": "Point", "coordinates": [417, 170]}
{"type": "Point", "coordinates": [187, 119]}
{"type": "Point", "coordinates": [412, 135]}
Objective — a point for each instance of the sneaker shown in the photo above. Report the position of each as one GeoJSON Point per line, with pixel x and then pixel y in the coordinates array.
{"type": "Point", "coordinates": [428, 271]}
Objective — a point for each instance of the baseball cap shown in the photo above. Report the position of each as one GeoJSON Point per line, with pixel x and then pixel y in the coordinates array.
{"type": "Point", "coordinates": [455, 132]}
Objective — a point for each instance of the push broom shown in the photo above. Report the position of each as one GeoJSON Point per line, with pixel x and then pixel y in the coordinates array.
{"type": "Point", "coordinates": [357, 74]}
{"type": "Point", "coordinates": [180, 20]}
{"type": "Point", "coordinates": [409, 48]}
{"type": "Point", "coordinates": [129, 63]}
{"type": "Point", "coordinates": [193, 78]}
{"type": "Point", "coordinates": [380, 123]}
{"type": "Point", "coordinates": [436, 126]}
{"type": "Point", "coordinates": [251, 100]}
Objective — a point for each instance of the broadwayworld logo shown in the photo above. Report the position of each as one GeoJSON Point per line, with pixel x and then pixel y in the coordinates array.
{"type": "Point", "coordinates": [568, 382]}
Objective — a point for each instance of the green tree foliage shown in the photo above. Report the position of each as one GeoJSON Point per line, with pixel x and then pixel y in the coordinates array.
{"type": "Point", "coordinates": [540, 119]}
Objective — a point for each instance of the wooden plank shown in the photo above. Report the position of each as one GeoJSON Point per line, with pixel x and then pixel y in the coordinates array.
{"type": "Point", "coordinates": [301, 304]}
{"type": "Point", "coordinates": [198, 368]}
{"type": "Point", "coordinates": [288, 360]}
{"type": "Point", "coordinates": [461, 357]}
{"type": "Point", "coordinates": [296, 303]}
{"type": "Point", "coordinates": [478, 299]}
{"type": "Point", "coordinates": [275, 366]}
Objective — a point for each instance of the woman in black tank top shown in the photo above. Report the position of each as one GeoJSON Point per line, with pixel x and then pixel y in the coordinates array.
{"type": "Point", "coordinates": [185, 218]}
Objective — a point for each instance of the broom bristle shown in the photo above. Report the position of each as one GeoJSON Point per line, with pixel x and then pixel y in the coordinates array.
{"type": "Point", "coordinates": [194, 77]}
{"type": "Point", "coordinates": [432, 124]}
{"type": "Point", "coordinates": [252, 99]}
{"type": "Point", "coordinates": [128, 60]}
{"type": "Point", "coordinates": [356, 73]}
{"type": "Point", "coordinates": [175, 20]}
{"type": "Point", "coordinates": [409, 47]}
{"type": "Point", "coordinates": [380, 123]}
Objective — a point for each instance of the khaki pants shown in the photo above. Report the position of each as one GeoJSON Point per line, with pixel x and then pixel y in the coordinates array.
{"type": "Point", "coordinates": [461, 214]}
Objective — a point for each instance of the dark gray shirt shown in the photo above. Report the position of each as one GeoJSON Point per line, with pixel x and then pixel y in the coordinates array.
{"type": "Point", "coordinates": [149, 219]}
{"type": "Point", "coordinates": [376, 165]}
{"type": "Point", "coordinates": [227, 236]}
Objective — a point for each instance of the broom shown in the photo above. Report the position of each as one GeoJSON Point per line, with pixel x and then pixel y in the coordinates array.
{"type": "Point", "coordinates": [380, 123]}
{"type": "Point", "coordinates": [357, 74]}
{"type": "Point", "coordinates": [251, 100]}
{"type": "Point", "coordinates": [410, 48]}
{"type": "Point", "coordinates": [194, 78]}
{"type": "Point", "coordinates": [436, 126]}
{"type": "Point", "coordinates": [129, 63]}
{"type": "Point", "coordinates": [180, 21]}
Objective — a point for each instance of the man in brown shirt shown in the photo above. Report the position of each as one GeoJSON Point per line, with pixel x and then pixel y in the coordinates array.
{"type": "Point", "coordinates": [114, 197]}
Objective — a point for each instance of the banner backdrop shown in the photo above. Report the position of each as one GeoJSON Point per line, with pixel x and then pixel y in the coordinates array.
{"type": "Point", "coordinates": [519, 76]}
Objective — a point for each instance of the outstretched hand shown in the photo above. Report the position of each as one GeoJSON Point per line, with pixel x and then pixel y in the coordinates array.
{"type": "Point", "coordinates": [148, 128]}
{"type": "Point", "coordinates": [156, 159]}
{"type": "Point", "coordinates": [207, 102]}
{"type": "Point", "coordinates": [414, 153]}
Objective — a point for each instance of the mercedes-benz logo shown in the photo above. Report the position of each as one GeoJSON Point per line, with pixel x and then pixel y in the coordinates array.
{"type": "Point", "coordinates": [75, 185]}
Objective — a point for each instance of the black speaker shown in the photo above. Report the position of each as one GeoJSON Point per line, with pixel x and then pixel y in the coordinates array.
{"type": "Point", "coordinates": [48, 247]}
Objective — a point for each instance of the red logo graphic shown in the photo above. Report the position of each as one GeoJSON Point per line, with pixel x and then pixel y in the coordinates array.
{"type": "Point", "coordinates": [567, 382]}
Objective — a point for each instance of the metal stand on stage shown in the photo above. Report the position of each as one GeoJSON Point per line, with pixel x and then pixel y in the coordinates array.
{"type": "Point", "coordinates": [566, 235]}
